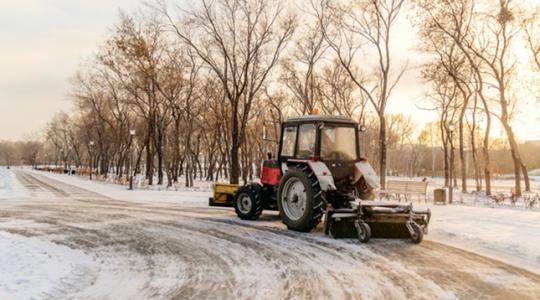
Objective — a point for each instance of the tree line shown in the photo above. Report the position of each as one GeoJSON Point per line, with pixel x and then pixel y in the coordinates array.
{"type": "Point", "coordinates": [197, 85]}
{"type": "Point", "coordinates": [475, 74]}
{"type": "Point", "coordinates": [186, 92]}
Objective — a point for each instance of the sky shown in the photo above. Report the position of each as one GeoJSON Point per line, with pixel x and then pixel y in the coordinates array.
{"type": "Point", "coordinates": [42, 43]}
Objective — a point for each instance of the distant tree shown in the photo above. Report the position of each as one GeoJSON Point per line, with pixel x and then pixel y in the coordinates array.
{"type": "Point", "coordinates": [29, 152]}
{"type": "Point", "coordinates": [428, 137]}
{"type": "Point", "coordinates": [7, 153]}
{"type": "Point", "coordinates": [530, 22]}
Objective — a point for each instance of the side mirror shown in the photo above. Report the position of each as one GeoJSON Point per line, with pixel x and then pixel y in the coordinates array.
{"type": "Point", "coordinates": [362, 128]}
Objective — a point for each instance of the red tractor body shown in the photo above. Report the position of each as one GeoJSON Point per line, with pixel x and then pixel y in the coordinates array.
{"type": "Point", "coordinates": [270, 173]}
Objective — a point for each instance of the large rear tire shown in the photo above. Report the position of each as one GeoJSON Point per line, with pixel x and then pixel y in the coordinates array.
{"type": "Point", "coordinates": [248, 201]}
{"type": "Point", "coordinates": [300, 200]}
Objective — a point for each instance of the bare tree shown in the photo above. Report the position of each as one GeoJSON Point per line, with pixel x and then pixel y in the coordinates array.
{"type": "Point", "coordinates": [240, 42]}
{"type": "Point", "coordinates": [494, 52]}
{"type": "Point", "coordinates": [351, 28]}
{"type": "Point", "coordinates": [454, 20]}
{"type": "Point", "coordinates": [300, 68]}
{"type": "Point", "coordinates": [7, 153]}
{"type": "Point", "coordinates": [339, 94]}
{"type": "Point", "coordinates": [530, 22]}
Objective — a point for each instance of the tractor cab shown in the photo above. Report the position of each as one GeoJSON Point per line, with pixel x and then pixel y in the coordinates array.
{"type": "Point", "coordinates": [329, 139]}
{"type": "Point", "coordinates": [326, 138]}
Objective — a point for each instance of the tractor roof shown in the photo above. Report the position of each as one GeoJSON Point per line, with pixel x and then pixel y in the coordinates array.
{"type": "Point", "coordinates": [320, 118]}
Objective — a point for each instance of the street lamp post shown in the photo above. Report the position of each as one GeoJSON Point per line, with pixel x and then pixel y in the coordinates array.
{"type": "Point", "coordinates": [91, 144]}
{"type": "Point", "coordinates": [130, 169]}
{"type": "Point", "coordinates": [451, 187]}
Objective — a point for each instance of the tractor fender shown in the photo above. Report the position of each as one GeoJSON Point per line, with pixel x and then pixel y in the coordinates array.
{"type": "Point", "coordinates": [321, 171]}
{"type": "Point", "coordinates": [364, 169]}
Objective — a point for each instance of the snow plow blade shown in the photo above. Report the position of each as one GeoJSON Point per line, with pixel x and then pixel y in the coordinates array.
{"type": "Point", "coordinates": [373, 219]}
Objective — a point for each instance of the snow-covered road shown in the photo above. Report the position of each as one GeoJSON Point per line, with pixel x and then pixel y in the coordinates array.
{"type": "Point", "coordinates": [58, 240]}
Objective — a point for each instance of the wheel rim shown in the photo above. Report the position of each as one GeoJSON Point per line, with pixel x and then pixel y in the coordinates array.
{"type": "Point", "coordinates": [244, 203]}
{"type": "Point", "coordinates": [294, 199]}
{"type": "Point", "coordinates": [362, 233]}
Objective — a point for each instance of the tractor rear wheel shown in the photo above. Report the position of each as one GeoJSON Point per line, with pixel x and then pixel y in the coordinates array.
{"type": "Point", "coordinates": [248, 202]}
{"type": "Point", "coordinates": [300, 200]}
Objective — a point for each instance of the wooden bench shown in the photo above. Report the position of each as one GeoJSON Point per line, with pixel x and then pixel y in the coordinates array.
{"type": "Point", "coordinates": [405, 189]}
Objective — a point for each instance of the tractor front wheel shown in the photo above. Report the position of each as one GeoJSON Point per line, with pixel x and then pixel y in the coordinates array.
{"type": "Point", "coordinates": [300, 200]}
{"type": "Point", "coordinates": [248, 202]}
{"type": "Point", "coordinates": [363, 230]}
{"type": "Point", "coordinates": [418, 233]}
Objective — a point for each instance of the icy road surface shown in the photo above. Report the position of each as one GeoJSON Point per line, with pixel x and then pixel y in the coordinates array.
{"type": "Point", "coordinates": [60, 241]}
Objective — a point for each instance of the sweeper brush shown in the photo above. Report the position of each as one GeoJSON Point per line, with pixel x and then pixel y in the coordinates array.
{"type": "Point", "coordinates": [378, 220]}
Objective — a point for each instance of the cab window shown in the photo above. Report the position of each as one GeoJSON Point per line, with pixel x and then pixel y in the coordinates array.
{"type": "Point", "coordinates": [306, 141]}
{"type": "Point", "coordinates": [338, 143]}
{"type": "Point", "coordinates": [289, 140]}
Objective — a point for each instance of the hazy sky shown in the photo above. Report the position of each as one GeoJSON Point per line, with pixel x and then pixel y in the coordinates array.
{"type": "Point", "coordinates": [42, 42]}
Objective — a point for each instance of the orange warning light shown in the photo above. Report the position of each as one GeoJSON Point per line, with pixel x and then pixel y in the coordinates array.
{"type": "Point", "coordinates": [315, 111]}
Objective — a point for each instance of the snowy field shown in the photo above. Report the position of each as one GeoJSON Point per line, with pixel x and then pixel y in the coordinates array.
{"type": "Point", "coordinates": [67, 237]}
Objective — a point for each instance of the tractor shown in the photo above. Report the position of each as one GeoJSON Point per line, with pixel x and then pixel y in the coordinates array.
{"type": "Point", "coordinates": [319, 172]}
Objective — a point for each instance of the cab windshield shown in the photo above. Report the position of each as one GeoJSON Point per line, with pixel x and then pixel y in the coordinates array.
{"type": "Point", "coordinates": [338, 143]}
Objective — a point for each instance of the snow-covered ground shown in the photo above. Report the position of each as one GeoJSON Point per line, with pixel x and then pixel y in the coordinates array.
{"type": "Point", "coordinates": [67, 237]}
{"type": "Point", "coordinates": [32, 269]}
{"type": "Point", "coordinates": [506, 234]}
{"type": "Point", "coordinates": [10, 188]}
{"type": "Point", "coordinates": [509, 235]}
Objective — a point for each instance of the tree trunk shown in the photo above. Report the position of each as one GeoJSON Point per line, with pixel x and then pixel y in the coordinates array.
{"type": "Point", "coordinates": [446, 158]}
{"type": "Point", "coordinates": [462, 157]}
{"type": "Point", "coordinates": [234, 162]}
{"type": "Point", "coordinates": [474, 148]}
{"type": "Point", "coordinates": [149, 164]}
{"type": "Point", "coordinates": [234, 167]}
{"type": "Point", "coordinates": [526, 177]}
{"type": "Point", "coordinates": [515, 155]}
{"type": "Point", "coordinates": [382, 150]}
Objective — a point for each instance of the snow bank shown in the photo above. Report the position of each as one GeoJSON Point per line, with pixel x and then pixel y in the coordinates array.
{"type": "Point", "coordinates": [508, 235]}
{"type": "Point", "coordinates": [10, 187]}
{"type": "Point", "coordinates": [120, 192]}
{"type": "Point", "coordinates": [35, 269]}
